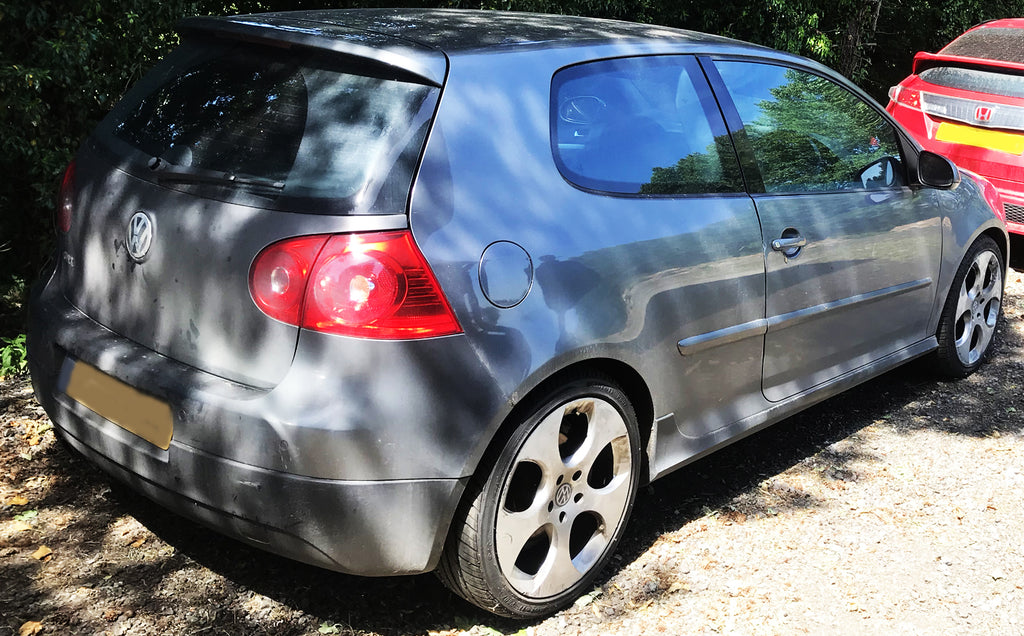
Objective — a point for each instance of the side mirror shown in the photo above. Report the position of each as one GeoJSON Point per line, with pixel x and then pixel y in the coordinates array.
{"type": "Point", "coordinates": [935, 171]}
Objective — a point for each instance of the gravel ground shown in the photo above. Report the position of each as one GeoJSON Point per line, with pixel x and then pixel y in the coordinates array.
{"type": "Point", "coordinates": [893, 508]}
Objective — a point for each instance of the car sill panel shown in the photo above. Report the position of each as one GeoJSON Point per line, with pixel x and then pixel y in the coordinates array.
{"type": "Point", "coordinates": [673, 451]}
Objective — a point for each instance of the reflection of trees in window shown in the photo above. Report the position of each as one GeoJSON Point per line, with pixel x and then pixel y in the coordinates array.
{"type": "Point", "coordinates": [815, 135]}
{"type": "Point", "coordinates": [714, 170]}
{"type": "Point", "coordinates": [653, 134]}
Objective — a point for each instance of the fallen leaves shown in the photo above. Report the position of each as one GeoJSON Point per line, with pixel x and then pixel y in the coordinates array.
{"type": "Point", "coordinates": [19, 526]}
{"type": "Point", "coordinates": [25, 516]}
{"type": "Point", "coordinates": [587, 599]}
{"type": "Point", "coordinates": [16, 500]}
{"type": "Point", "coordinates": [42, 553]}
{"type": "Point", "coordinates": [733, 517]}
{"type": "Point", "coordinates": [30, 628]}
{"type": "Point", "coordinates": [32, 430]}
{"type": "Point", "coordinates": [112, 614]}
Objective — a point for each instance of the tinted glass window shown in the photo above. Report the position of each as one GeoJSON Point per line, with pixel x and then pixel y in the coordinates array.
{"type": "Point", "coordinates": [233, 113]}
{"type": "Point", "coordinates": [273, 116]}
{"type": "Point", "coordinates": [645, 126]}
{"type": "Point", "coordinates": [972, 79]}
{"type": "Point", "coordinates": [991, 43]}
{"type": "Point", "coordinates": [810, 134]}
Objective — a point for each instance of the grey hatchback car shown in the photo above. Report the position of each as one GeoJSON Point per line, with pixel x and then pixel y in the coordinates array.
{"type": "Point", "coordinates": [391, 291]}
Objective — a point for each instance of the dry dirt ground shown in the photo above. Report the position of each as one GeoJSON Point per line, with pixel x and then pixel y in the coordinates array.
{"type": "Point", "coordinates": [894, 508]}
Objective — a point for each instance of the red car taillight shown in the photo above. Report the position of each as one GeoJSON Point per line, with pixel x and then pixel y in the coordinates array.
{"type": "Point", "coordinates": [64, 201]}
{"type": "Point", "coordinates": [375, 285]}
{"type": "Point", "coordinates": [906, 97]}
{"type": "Point", "coordinates": [278, 277]}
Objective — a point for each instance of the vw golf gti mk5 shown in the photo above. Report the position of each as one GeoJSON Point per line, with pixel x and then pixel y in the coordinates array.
{"type": "Point", "coordinates": [394, 291]}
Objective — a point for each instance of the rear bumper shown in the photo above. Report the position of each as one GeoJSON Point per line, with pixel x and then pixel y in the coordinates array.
{"type": "Point", "coordinates": [368, 528]}
{"type": "Point", "coordinates": [1013, 204]}
{"type": "Point", "coordinates": [332, 497]}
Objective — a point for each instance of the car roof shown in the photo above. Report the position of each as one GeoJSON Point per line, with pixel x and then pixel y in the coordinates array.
{"type": "Point", "coordinates": [1001, 23]}
{"type": "Point", "coordinates": [418, 41]}
{"type": "Point", "coordinates": [454, 30]}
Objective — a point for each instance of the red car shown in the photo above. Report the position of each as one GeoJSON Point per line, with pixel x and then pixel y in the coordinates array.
{"type": "Point", "coordinates": [967, 103]}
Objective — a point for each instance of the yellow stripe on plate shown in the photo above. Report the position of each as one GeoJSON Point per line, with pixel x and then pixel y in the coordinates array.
{"type": "Point", "coordinates": [970, 136]}
{"type": "Point", "coordinates": [129, 408]}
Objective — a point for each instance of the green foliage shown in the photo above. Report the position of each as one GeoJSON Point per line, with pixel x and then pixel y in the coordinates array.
{"type": "Point", "coordinates": [63, 64]}
{"type": "Point", "coordinates": [12, 296]}
{"type": "Point", "coordinates": [13, 359]}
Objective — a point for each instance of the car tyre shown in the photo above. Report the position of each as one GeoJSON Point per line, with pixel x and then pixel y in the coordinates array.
{"type": "Point", "coordinates": [536, 528]}
{"type": "Point", "coordinates": [972, 310]}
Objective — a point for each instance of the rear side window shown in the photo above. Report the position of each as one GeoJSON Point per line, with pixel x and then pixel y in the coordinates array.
{"type": "Point", "coordinates": [810, 134]}
{"type": "Point", "coordinates": [294, 128]}
{"type": "Point", "coordinates": [990, 43]}
{"type": "Point", "coordinates": [975, 80]}
{"type": "Point", "coordinates": [641, 126]}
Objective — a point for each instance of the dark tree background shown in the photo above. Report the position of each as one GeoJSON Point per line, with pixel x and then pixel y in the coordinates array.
{"type": "Point", "coordinates": [63, 63]}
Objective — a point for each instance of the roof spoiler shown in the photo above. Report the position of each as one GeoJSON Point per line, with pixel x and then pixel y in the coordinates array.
{"type": "Point", "coordinates": [391, 57]}
{"type": "Point", "coordinates": [924, 61]}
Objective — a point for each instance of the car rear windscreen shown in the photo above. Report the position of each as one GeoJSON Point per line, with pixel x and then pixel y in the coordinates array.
{"type": "Point", "coordinates": [975, 80]}
{"type": "Point", "coordinates": [289, 129]}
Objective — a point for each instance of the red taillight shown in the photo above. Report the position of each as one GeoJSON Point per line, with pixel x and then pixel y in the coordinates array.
{"type": "Point", "coordinates": [64, 202]}
{"type": "Point", "coordinates": [906, 97]}
{"type": "Point", "coordinates": [277, 280]}
{"type": "Point", "coordinates": [365, 285]}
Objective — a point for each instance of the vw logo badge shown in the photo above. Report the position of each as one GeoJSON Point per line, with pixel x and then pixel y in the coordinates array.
{"type": "Point", "coordinates": [563, 495]}
{"type": "Point", "coordinates": [139, 236]}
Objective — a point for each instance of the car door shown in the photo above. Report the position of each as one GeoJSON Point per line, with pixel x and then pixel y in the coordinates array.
{"type": "Point", "coordinates": [645, 145]}
{"type": "Point", "coordinates": [851, 250]}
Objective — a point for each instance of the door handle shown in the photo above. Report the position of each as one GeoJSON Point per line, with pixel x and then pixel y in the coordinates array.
{"type": "Point", "coordinates": [788, 244]}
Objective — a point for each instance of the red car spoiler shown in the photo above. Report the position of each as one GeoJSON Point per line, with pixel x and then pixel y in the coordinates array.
{"type": "Point", "coordinates": [924, 61]}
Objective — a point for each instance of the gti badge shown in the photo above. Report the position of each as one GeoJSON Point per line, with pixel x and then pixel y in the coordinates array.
{"type": "Point", "coordinates": [983, 113]}
{"type": "Point", "coordinates": [139, 236]}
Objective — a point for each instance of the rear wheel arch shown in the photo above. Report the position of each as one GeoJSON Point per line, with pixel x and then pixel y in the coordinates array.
{"type": "Point", "coordinates": [616, 372]}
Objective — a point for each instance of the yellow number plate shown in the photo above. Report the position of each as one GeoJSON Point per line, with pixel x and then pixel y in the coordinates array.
{"type": "Point", "coordinates": [969, 136]}
{"type": "Point", "coordinates": [132, 410]}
